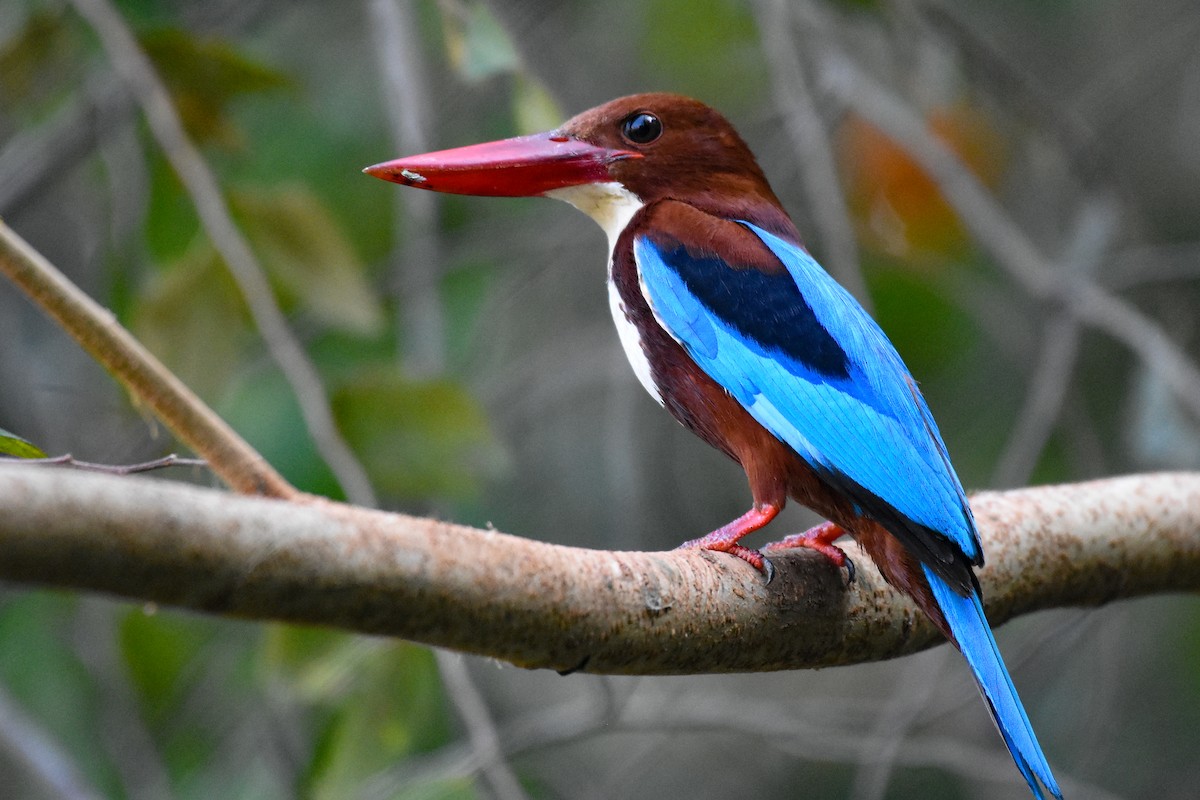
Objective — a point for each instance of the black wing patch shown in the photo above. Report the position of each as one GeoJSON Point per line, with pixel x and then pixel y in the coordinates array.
{"type": "Point", "coordinates": [768, 309]}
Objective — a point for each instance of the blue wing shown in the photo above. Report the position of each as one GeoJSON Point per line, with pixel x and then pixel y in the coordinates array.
{"type": "Point", "coordinates": [801, 355]}
{"type": "Point", "coordinates": [812, 367]}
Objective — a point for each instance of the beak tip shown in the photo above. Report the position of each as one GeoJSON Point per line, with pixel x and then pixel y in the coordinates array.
{"type": "Point", "coordinates": [390, 171]}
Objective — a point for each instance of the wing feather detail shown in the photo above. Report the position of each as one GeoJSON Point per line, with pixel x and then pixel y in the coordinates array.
{"type": "Point", "coordinates": [851, 410]}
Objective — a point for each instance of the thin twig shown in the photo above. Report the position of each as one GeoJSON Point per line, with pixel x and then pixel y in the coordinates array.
{"type": "Point", "coordinates": [33, 157]}
{"type": "Point", "coordinates": [417, 265]}
{"type": "Point", "coordinates": [198, 180]}
{"type": "Point", "coordinates": [131, 746]}
{"type": "Point", "coordinates": [909, 699]}
{"type": "Point", "coordinates": [733, 717]}
{"type": "Point", "coordinates": [1043, 402]}
{"type": "Point", "coordinates": [68, 460]}
{"type": "Point", "coordinates": [98, 332]}
{"type": "Point", "coordinates": [1022, 89]}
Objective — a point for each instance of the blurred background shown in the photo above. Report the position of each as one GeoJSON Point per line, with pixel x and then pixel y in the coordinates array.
{"type": "Point", "coordinates": [469, 360]}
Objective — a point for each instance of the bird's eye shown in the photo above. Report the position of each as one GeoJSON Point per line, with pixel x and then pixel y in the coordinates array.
{"type": "Point", "coordinates": [641, 127]}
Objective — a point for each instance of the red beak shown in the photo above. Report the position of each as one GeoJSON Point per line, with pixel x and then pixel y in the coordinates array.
{"type": "Point", "coordinates": [525, 166]}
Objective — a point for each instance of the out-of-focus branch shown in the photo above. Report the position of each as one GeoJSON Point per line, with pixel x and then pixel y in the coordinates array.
{"type": "Point", "coordinates": [472, 709]}
{"type": "Point", "coordinates": [99, 333]}
{"type": "Point", "coordinates": [1060, 349]}
{"type": "Point", "coordinates": [818, 175]}
{"type": "Point", "coordinates": [43, 760]}
{"type": "Point", "coordinates": [198, 180]}
{"type": "Point", "coordinates": [417, 258]}
{"type": "Point", "coordinates": [543, 605]}
{"type": "Point", "coordinates": [35, 155]}
{"type": "Point", "coordinates": [996, 232]}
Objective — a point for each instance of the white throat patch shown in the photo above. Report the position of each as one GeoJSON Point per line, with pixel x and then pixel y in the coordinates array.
{"type": "Point", "coordinates": [613, 206]}
{"type": "Point", "coordinates": [610, 204]}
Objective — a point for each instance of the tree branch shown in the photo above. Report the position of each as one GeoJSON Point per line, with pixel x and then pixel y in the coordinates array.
{"type": "Point", "coordinates": [199, 181]}
{"type": "Point", "coordinates": [126, 359]}
{"type": "Point", "coordinates": [544, 605]}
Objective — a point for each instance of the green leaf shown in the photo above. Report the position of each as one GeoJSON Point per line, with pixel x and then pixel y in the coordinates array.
{"type": "Point", "coordinates": [162, 654]}
{"type": "Point", "coordinates": [376, 702]}
{"type": "Point", "coordinates": [37, 62]}
{"type": "Point", "coordinates": [192, 317]}
{"type": "Point", "coordinates": [417, 438]}
{"type": "Point", "coordinates": [204, 75]}
{"type": "Point", "coordinates": [13, 445]}
{"type": "Point", "coordinates": [476, 43]}
{"type": "Point", "coordinates": [704, 48]}
{"type": "Point", "coordinates": [533, 107]}
{"type": "Point", "coordinates": [261, 405]}
{"type": "Point", "coordinates": [930, 331]}
{"type": "Point", "coordinates": [310, 260]}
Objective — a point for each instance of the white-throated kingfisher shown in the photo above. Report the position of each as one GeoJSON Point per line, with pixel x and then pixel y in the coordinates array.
{"type": "Point", "coordinates": [732, 326]}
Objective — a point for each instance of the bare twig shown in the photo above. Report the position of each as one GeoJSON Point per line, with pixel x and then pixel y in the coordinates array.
{"type": "Point", "coordinates": [235, 461]}
{"type": "Point", "coordinates": [416, 267]}
{"type": "Point", "coordinates": [131, 746]}
{"type": "Point", "coordinates": [737, 717]}
{"type": "Point", "coordinates": [1043, 402]}
{"type": "Point", "coordinates": [912, 695]}
{"type": "Point", "coordinates": [1018, 85]}
{"type": "Point", "coordinates": [68, 460]}
{"type": "Point", "coordinates": [136, 70]}
{"type": "Point", "coordinates": [542, 605]}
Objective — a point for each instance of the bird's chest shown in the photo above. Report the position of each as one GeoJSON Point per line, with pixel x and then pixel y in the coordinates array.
{"type": "Point", "coordinates": [667, 371]}
{"type": "Point", "coordinates": [631, 323]}
{"type": "Point", "coordinates": [661, 364]}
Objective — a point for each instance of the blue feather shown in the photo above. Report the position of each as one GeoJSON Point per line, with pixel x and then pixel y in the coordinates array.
{"type": "Point", "coordinates": [851, 411]}
{"type": "Point", "coordinates": [966, 619]}
{"type": "Point", "coordinates": [838, 425]}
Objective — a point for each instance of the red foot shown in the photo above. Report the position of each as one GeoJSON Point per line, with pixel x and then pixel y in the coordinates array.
{"type": "Point", "coordinates": [820, 538]}
{"type": "Point", "coordinates": [725, 539]}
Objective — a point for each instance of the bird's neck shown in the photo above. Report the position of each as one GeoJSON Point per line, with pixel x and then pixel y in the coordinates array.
{"type": "Point", "coordinates": [610, 204]}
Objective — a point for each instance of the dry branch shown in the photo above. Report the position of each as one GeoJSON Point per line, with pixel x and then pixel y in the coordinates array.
{"type": "Point", "coordinates": [544, 605]}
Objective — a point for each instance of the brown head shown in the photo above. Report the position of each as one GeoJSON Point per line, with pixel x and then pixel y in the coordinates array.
{"type": "Point", "coordinates": [654, 146]}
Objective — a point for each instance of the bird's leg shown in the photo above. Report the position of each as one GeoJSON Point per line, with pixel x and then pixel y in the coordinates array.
{"type": "Point", "coordinates": [820, 538]}
{"type": "Point", "coordinates": [725, 539]}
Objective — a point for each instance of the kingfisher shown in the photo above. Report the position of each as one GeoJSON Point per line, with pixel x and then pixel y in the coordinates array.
{"type": "Point", "coordinates": [733, 327]}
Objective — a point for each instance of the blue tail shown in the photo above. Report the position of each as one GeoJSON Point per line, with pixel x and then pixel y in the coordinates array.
{"type": "Point", "coordinates": [965, 617]}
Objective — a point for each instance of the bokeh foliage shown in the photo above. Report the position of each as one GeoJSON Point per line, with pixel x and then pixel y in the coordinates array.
{"type": "Point", "coordinates": [532, 422]}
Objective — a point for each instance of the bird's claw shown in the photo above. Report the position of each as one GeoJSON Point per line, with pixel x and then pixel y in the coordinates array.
{"type": "Point", "coordinates": [851, 572]}
{"type": "Point", "coordinates": [820, 538]}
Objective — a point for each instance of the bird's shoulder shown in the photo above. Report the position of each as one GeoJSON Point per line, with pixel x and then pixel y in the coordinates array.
{"type": "Point", "coordinates": [714, 232]}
